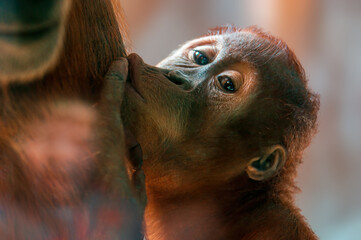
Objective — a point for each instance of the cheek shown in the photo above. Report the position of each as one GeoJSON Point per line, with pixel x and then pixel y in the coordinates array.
{"type": "Point", "coordinates": [164, 113]}
{"type": "Point", "coordinates": [169, 119]}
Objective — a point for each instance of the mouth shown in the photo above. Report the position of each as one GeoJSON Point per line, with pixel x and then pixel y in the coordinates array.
{"type": "Point", "coordinates": [134, 150]}
{"type": "Point", "coordinates": [27, 33]}
{"type": "Point", "coordinates": [133, 79]}
{"type": "Point", "coordinates": [135, 159]}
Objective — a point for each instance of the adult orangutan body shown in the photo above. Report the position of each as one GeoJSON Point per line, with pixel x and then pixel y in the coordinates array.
{"type": "Point", "coordinates": [222, 131]}
{"type": "Point", "coordinates": [62, 173]}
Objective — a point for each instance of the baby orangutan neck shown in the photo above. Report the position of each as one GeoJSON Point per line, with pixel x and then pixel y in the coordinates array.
{"type": "Point", "coordinates": [232, 213]}
{"type": "Point", "coordinates": [195, 218]}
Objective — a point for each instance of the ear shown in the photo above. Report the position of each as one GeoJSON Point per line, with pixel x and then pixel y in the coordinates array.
{"type": "Point", "coordinates": [264, 167]}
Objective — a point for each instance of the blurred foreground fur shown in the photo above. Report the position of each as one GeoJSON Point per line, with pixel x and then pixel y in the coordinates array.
{"type": "Point", "coordinates": [63, 174]}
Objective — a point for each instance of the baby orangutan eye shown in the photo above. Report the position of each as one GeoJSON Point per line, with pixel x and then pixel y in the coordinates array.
{"type": "Point", "coordinates": [200, 58]}
{"type": "Point", "coordinates": [226, 83]}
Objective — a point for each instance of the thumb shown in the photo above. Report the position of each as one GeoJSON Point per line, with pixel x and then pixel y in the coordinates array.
{"type": "Point", "coordinates": [114, 81]}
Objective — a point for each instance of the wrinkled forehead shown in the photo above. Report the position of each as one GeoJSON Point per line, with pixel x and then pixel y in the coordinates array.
{"type": "Point", "coordinates": [230, 42]}
{"type": "Point", "coordinates": [230, 48]}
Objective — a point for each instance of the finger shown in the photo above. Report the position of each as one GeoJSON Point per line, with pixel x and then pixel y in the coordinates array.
{"type": "Point", "coordinates": [115, 80]}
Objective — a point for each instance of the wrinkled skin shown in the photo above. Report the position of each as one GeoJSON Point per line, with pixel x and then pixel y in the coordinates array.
{"type": "Point", "coordinates": [219, 155]}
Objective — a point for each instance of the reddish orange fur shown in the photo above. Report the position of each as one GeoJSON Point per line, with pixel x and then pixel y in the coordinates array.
{"type": "Point", "coordinates": [35, 181]}
{"type": "Point", "coordinates": [198, 139]}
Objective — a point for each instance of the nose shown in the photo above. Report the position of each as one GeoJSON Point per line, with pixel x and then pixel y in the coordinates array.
{"type": "Point", "coordinates": [177, 78]}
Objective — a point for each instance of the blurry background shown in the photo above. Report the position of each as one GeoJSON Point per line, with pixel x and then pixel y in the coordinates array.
{"type": "Point", "coordinates": [326, 36]}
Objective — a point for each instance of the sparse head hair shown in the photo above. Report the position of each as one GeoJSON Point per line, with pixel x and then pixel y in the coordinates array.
{"type": "Point", "coordinates": [285, 109]}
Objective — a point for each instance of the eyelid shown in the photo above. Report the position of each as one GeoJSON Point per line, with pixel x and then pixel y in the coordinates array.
{"type": "Point", "coordinates": [221, 83]}
{"type": "Point", "coordinates": [195, 50]}
{"type": "Point", "coordinates": [210, 51]}
{"type": "Point", "coordinates": [236, 77]}
{"type": "Point", "coordinates": [202, 42]}
{"type": "Point", "coordinates": [191, 55]}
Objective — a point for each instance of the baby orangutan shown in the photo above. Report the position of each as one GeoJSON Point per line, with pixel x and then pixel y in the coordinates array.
{"type": "Point", "coordinates": [222, 127]}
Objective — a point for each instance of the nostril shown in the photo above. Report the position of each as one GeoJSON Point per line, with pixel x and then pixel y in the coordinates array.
{"type": "Point", "coordinates": [177, 78]}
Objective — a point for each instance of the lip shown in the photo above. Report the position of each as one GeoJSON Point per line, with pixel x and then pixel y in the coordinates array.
{"type": "Point", "coordinates": [134, 150]}
{"type": "Point", "coordinates": [133, 78]}
{"type": "Point", "coordinates": [26, 33]}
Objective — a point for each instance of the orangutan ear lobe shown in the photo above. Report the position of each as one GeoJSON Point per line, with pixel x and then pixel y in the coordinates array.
{"type": "Point", "coordinates": [264, 167]}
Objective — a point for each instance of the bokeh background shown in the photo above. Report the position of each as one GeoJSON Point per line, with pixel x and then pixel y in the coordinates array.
{"type": "Point", "coordinates": [326, 36]}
